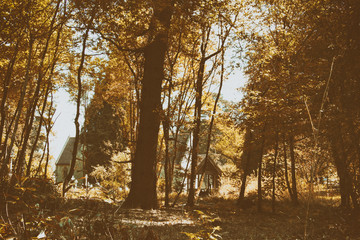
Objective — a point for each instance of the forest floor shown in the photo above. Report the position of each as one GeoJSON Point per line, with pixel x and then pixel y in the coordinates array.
{"type": "Point", "coordinates": [211, 218]}
{"type": "Point", "coordinates": [221, 219]}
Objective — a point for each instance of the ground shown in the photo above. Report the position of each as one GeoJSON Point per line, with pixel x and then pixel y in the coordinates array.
{"type": "Point", "coordinates": [218, 218]}
{"type": "Point", "coordinates": [212, 218]}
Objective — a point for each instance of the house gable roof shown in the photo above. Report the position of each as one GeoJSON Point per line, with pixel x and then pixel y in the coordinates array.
{"type": "Point", "coordinates": [66, 154]}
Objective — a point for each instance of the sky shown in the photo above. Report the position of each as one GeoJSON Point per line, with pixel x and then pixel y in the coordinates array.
{"type": "Point", "coordinates": [64, 126]}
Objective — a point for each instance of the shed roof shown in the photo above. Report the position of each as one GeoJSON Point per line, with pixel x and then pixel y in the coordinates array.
{"type": "Point", "coordinates": [66, 154]}
{"type": "Point", "coordinates": [210, 166]}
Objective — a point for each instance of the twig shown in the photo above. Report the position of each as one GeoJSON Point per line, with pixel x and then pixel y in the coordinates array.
{"type": "Point", "coordinates": [7, 215]}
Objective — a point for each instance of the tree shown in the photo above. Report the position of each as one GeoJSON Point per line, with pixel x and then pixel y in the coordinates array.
{"type": "Point", "coordinates": [302, 84]}
{"type": "Point", "coordinates": [103, 133]}
{"type": "Point", "coordinates": [143, 186]}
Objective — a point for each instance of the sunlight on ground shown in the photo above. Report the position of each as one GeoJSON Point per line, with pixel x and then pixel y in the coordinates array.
{"type": "Point", "coordinates": [142, 218]}
{"type": "Point", "coordinates": [149, 223]}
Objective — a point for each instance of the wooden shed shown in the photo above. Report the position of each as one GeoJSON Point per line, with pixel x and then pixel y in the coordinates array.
{"type": "Point", "coordinates": [212, 174]}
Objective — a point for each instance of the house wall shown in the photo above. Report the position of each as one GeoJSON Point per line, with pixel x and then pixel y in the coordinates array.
{"type": "Point", "coordinates": [62, 170]}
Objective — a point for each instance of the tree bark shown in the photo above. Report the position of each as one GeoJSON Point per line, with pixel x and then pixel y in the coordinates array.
{"type": "Point", "coordinates": [274, 174]}
{"type": "Point", "coordinates": [286, 170]}
{"type": "Point", "coordinates": [166, 126]}
{"type": "Point", "coordinates": [341, 163]}
{"type": "Point", "coordinates": [246, 169]}
{"type": "Point", "coordinates": [340, 168]}
{"type": "Point", "coordinates": [143, 186]}
{"type": "Point", "coordinates": [295, 200]}
{"type": "Point", "coordinates": [196, 133]}
{"type": "Point", "coordinates": [259, 203]}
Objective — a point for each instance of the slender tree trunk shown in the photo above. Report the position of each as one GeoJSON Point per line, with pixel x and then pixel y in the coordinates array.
{"type": "Point", "coordinates": [259, 191]}
{"type": "Point", "coordinates": [196, 133]}
{"type": "Point", "coordinates": [6, 86]}
{"type": "Point", "coordinates": [143, 186]}
{"type": "Point", "coordinates": [48, 131]}
{"type": "Point", "coordinates": [246, 168]}
{"type": "Point", "coordinates": [197, 116]}
{"type": "Point", "coordinates": [182, 183]}
{"type": "Point", "coordinates": [78, 104]}
{"type": "Point", "coordinates": [274, 174]}
{"type": "Point", "coordinates": [259, 203]}
{"type": "Point", "coordinates": [19, 107]}
{"type": "Point", "coordinates": [166, 126]}
{"type": "Point", "coordinates": [286, 171]}
{"type": "Point", "coordinates": [47, 91]}
{"type": "Point", "coordinates": [32, 108]}
{"type": "Point", "coordinates": [212, 124]}
{"type": "Point", "coordinates": [293, 171]}
{"type": "Point", "coordinates": [37, 132]}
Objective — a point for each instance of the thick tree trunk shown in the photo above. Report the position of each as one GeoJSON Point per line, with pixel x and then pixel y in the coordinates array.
{"type": "Point", "coordinates": [143, 186]}
{"type": "Point", "coordinates": [340, 168]}
{"type": "Point", "coordinates": [345, 180]}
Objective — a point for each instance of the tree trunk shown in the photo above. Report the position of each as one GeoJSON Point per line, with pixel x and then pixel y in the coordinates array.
{"type": "Point", "coordinates": [295, 200]}
{"type": "Point", "coordinates": [48, 131]}
{"type": "Point", "coordinates": [341, 163]}
{"type": "Point", "coordinates": [19, 107]}
{"type": "Point", "coordinates": [6, 86]}
{"type": "Point", "coordinates": [212, 123]}
{"type": "Point", "coordinates": [259, 191]}
{"type": "Point", "coordinates": [32, 108]}
{"type": "Point", "coordinates": [197, 116]}
{"type": "Point", "coordinates": [166, 126]}
{"type": "Point", "coordinates": [196, 133]}
{"type": "Point", "coordinates": [182, 183]}
{"type": "Point", "coordinates": [274, 175]}
{"type": "Point", "coordinates": [340, 168]}
{"type": "Point", "coordinates": [47, 91]}
{"type": "Point", "coordinates": [286, 170]}
{"type": "Point", "coordinates": [143, 186]}
{"type": "Point", "coordinates": [246, 170]}
{"type": "Point", "coordinates": [38, 131]}
{"type": "Point", "coordinates": [78, 104]}
{"type": "Point", "coordinates": [259, 203]}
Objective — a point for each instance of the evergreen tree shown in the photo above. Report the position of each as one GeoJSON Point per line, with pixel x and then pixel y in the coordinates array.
{"type": "Point", "coordinates": [102, 134]}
